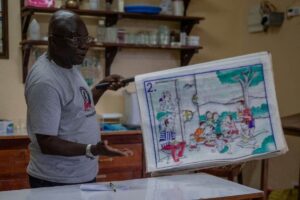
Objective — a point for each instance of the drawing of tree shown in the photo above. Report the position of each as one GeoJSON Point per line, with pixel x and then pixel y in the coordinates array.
{"type": "Point", "coordinates": [247, 77]}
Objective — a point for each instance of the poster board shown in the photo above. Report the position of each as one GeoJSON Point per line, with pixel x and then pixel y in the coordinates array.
{"type": "Point", "coordinates": [210, 114]}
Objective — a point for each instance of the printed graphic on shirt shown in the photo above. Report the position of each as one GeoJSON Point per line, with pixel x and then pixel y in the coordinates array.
{"type": "Point", "coordinates": [87, 103]}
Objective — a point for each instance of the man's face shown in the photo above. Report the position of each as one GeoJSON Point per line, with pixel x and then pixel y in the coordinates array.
{"type": "Point", "coordinates": [71, 44]}
{"type": "Point", "coordinates": [79, 45]}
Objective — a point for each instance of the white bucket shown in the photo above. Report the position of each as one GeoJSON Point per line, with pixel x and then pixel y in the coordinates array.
{"type": "Point", "coordinates": [132, 110]}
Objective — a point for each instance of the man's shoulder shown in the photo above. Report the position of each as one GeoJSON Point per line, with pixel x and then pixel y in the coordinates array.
{"type": "Point", "coordinates": [41, 71]}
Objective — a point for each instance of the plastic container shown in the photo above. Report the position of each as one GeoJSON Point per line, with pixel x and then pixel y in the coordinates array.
{"type": "Point", "coordinates": [6, 127]}
{"type": "Point", "coordinates": [178, 8]}
{"type": "Point", "coordinates": [132, 110]}
{"type": "Point", "coordinates": [111, 35]}
{"type": "Point", "coordinates": [145, 9]}
{"type": "Point", "coordinates": [40, 3]}
{"type": "Point", "coordinates": [166, 7]}
{"type": "Point", "coordinates": [183, 38]}
{"type": "Point", "coordinates": [193, 41]}
{"type": "Point", "coordinates": [164, 35]}
{"type": "Point", "coordinates": [94, 4]}
{"type": "Point", "coordinates": [101, 29]}
{"type": "Point", "coordinates": [120, 5]}
{"type": "Point", "coordinates": [34, 32]}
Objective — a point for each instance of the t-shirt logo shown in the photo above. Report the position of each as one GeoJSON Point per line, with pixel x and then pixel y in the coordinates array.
{"type": "Point", "coordinates": [87, 103]}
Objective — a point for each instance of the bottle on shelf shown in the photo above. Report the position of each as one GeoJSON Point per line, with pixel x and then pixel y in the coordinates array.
{"type": "Point", "coordinates": [120, 5]}
{"type": "Point", "coordinates": [178, 7]}
{"type": "Point", "coordinates": [183, 38]}
{"type": "Point", "coordinates": [166, 7]}
{"type": "Point", "coordinates": [108, 5]}
{"type": "Point", "coordinates": [101, 29]}
{"type": "Point", "coordinates": [34, 32]}
{"type": "Point", "coordinates": [164, 35]}
{"type": "Point", "coordinates": [72, 4]}
{"type": "Point", "coordinates": [94, 4]}
{"type": "Point", "coordinates": [111, 34]}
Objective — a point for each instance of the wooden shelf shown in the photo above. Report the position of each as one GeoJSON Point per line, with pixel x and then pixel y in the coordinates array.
{"type": "Point", "coordinates": [111, 18]}
{"type": "Point", "coordinates": [110, 50]}
{"type": "Point", "coordinates": [118, 45]}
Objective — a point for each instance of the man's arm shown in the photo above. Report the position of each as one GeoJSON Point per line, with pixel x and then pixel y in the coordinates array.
{"type": "Point", "coordinates": [115, 83]}
{"type": "Point", "coordinates": [55, 146]}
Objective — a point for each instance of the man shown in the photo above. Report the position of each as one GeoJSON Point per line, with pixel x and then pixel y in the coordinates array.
{"type": "Point", "coordinates": [61, 117]}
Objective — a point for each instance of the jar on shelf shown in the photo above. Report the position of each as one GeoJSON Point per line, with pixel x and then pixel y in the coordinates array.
{"type": "Point", "coordinates": [111, 35]}
{"type": "Point", "coordinates": [72, 4]}
{"type": "Point", "coordinates": [193, 40]}
{"type": "Point", "coordinates": [94, 4]}
{"type": "Point", "coordinates": [120, 5]}
{"type": "Point", "coordinates": [183, 38]}
{"type": "Point", "coordinates": [121, 36]}
{"type": "Point", "coordinates": [166, 7]}
{"type": "Point", "coordinates": [164, 35]}
{"type": "Point", "coordinates": [153, 38]}
{"type": "Point", "coordinates": [108, 5]}
{"type": "Point", "coordinates": [178, 7]}
{"type": "Point", "coordinates": [130, 38]}
{"type": "Point", "coordinates": [59, 3]}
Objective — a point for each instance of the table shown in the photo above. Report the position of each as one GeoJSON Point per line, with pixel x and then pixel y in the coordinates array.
{"type": "Point", "coordinates": [292, 124]}
{"type": "Point", "coordinates": [180, 187]}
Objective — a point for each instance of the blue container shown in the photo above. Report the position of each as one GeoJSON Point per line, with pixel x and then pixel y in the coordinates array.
{"type": "Point", "coordinates": [144, 9]}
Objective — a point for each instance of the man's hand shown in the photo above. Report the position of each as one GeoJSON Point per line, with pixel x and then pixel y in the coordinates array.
{"type": "Point", "coordinates": [103, 149]}
{"type": "Point", "coordinates": [115, 82]}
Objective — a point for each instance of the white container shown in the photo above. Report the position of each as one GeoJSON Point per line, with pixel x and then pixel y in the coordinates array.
{"type": "Point", "coordinates": [59, 3]}
{"type": "Point", "coordinates": [183, 38]}
{"type": "Point", "coordinates": [84, 4]}
{"type": "Point", "coordinates": [166, 7]}
{"type": "Point", "coordinates": [6, 127]}
{"type": "Point", "coordinates": [34, 32]}
{"type": "Point", "coordinates": [178, 7]}
{"type": "Point", "coordinates": [120, 5]}
{"type": "Point", "coordinates": [94, 5]}
{"type": "Point", "coordinates": [101, 31]}
{"type": "Point", "coordinates": [132, 109]}
{"type": "Point", "coordinates": [193, 41]}
{"type": "Point", "coordinates": [111, 35]}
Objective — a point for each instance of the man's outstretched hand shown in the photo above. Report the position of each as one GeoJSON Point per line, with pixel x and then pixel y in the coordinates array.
{"type": "Point", "coordinates": [103, 149]}
{"type": "Point", "coordinates": [114, 81]}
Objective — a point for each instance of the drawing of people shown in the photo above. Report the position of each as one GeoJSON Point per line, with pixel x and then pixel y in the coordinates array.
{"type": "Point", "coordinates": [168, 141]}
{"type": "Point", "coordinates": [216, 123]}
{"type": "Point", "coordinates": [209, 136]}
{"type": "Point", "coordinates": [198, 136]}
{"type": "Point", "coordinates": [247, 139]}
{"type": "Point", "coordinates": [221, 144]}
{"type": "Point", "coordinates": [209, 118]}
{"type": "Point", "coordinates": [246, 117]}
{"type": "Point", "coordinates": [229, 128]}
{"type": "Point", "coordinates": [165, 101]}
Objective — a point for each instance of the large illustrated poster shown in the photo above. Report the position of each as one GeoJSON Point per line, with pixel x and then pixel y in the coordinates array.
{"type": "Point", "coordinates": [210, 114]}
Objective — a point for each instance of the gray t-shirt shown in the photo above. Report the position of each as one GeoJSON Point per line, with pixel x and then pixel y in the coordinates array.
{"type": "Point", "coordinates": [60, 103]}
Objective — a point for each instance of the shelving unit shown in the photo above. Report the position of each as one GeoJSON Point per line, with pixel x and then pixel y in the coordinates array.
{"type": "Point", "coordinates": [111, 18]}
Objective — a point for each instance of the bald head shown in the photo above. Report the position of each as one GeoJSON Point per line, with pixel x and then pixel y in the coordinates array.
{"type": "Point", "coordinates": [64, 23]}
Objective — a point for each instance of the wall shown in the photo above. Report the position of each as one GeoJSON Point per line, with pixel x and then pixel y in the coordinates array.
{"type": "Point", "coordinates": [12, 104]}
{"type": "Point", "coordinates": [223, 34]}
